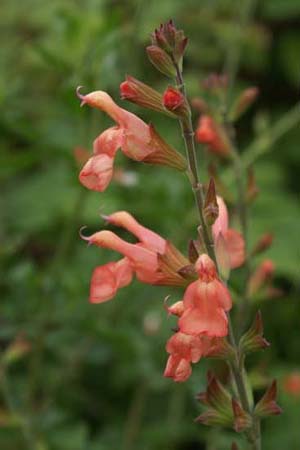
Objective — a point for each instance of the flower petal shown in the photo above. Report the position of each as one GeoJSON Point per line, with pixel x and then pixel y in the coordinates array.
{"type": "Point", "coordinates": [107, 279]}
{"type": "Point", "coordinates": [151, 240]}
{"type": "Point", "coordinates": [109, 141]}
{"type": "Point", "coordinates": [97, 172]}
{"type": "Point", "coordinates": [235, 245]}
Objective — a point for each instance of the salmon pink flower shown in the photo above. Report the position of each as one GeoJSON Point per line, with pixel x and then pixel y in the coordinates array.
{"type": "Point", "coordinates": [185, 349]}
{"type": "Point", "coordinates": [152, 259]}
{"type": "Point", "coordinates": [208, 132]}
{"type": "Point", "coordinates": [234, 242]}
{"type": "Point", "coordinates": [134, 137]}
{"type": "Point", "coordinates": [206, 301]}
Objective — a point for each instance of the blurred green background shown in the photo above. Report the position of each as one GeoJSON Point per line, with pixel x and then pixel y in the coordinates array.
{"type": "Point", "coordinates": [76, 376]}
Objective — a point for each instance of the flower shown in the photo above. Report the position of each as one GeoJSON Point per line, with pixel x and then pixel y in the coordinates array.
{"type": "Point", "coordinates": [233, 240]}
{"type": "Point", "coordinates": [153, 259]}
{"type": "Point", "coordinates": [208, 132]}
{"type": "Point", "coordinates": [185, 349]}
{"type": "Point", "coordinates": [137, 140]}
{"type": "Point", "coordinates": [206, 301]}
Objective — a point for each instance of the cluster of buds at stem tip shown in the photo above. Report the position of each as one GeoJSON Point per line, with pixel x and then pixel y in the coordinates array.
{"type": "Point", "coordinates": [141, 94]}
{"type": "Point", "coordinates": [167, 49]}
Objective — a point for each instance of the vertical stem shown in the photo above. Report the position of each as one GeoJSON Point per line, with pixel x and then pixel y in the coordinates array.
{"type": "Point", "coordinates": [188, 136]}
{"type": "Point", "coordinates": [237, 367]}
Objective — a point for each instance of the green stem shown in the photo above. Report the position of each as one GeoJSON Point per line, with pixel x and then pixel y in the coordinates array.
{"type": "Point", "coordinates": [237, 366]}
{"type": "Point", "coordinates": [188, 137]}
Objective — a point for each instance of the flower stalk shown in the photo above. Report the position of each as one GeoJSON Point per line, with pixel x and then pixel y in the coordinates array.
{"type": "Point", "coordinates": [236, 364]}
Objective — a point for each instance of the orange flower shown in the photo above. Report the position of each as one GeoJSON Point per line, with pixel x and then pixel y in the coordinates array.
{"type": "Point", "coordinates": [205, 303]}
{"type": "Point", "coordinates": [142, 258]}
{"type": "Point", "coordinates": [234, 242]}
{"type": "Point", "coordinates": [136, 139]}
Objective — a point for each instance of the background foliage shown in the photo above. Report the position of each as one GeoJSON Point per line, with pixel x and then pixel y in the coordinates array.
{"type": "Point", "coordinates": [76, 376]}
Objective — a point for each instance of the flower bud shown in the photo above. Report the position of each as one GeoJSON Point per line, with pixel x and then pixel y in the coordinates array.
{"type": "Point", "coordinates": [267, 405]}
{"type": "Point", "coordinates": [243, 102]}
{"type": "Point", "coordinates": [161, 60]}
{"type": "Point", "coordinates": [174, 101]}
{"type": "Point", "coordinates": [218, 400]}
{"type": "Point", "coordinates": [171, 40]}
{"type": "Point", "coordinates": [253, 340]}
{"type": "Point", "coordinates": [143, 95]}
{"type": "Point", "coordinates": [242, 420]}
{"type": "Point", "coordinates": [193, 251]}
{"type": "Point", "coordinates": [262, 244]}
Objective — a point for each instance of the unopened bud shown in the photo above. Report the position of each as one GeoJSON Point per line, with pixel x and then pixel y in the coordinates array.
{"type": "Point", "coordinates": [143, 95]}
{"type": "Point", "coordinates": [242, 420]}
{"type": "Point", "coordinates": [211, 208]}
{"type": "Point", "coordinates": [193, 251]}
{"type": "Point", "coordinates": [222, 189]}
{"type": "Point", "coordinates": [264, 242]}
{"type": "Point", "coordinates": [218, 400]}
{"type": "Point", "coordinates": [243, 102]}
{"type": "Point", "coordinates": [174, 101]}
{"type": "Point", "coordinates": [171, 40]}
{"type": "Point", "coordinates": [161, 60]}
{"type": "Point", "coordinates": [267, 405]}
{"type": "Point", "coordinates": [253, 340]}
